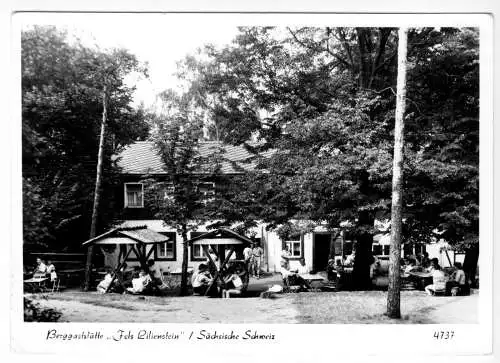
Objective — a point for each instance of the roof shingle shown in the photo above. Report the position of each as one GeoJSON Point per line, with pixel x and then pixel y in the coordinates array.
{"type": "Point", "coordinates": [141, 158]}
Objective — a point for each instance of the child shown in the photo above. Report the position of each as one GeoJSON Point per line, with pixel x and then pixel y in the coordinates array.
{"type": "Point", "coordinates": [234, 284]}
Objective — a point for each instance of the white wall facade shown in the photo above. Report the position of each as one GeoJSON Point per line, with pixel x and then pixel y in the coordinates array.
{"type": "Point", "coordinates": [270, 242]}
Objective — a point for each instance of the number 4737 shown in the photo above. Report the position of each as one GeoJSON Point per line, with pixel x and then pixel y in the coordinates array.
{"type": "Point", "coordinates": [444, 334]}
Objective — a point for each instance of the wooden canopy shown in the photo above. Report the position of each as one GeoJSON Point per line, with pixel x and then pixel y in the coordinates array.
{"type": "Point", "coordinates": [130, 235]}
{"type": "Point", "coordinates": [138, 237]}
{"type": "Point", "coordinates": [220, 236]}
{"type": "Point", "coordinates": [218, 240]}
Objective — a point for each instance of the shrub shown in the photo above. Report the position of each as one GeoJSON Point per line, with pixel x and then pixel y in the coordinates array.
{"type": "Point", "coordinates": [34, 312]}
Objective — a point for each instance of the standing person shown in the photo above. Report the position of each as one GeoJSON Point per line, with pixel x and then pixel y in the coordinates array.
{"type": "Point", "coordinates": [257, 254]}
{"type": "Point", "coordinates": [247, 257]}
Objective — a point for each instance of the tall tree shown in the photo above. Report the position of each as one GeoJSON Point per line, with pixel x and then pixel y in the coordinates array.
{"type": "Point", "coordinates": [393, 294]}
{"type": "Point", "coordinates": [178, 199]}
{"type": "Point", "coordinates": [97, 189]}
{"type": "Point", "coordinates": [61, 108]}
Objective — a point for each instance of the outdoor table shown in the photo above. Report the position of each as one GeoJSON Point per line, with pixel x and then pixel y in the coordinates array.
{"type": "Point", "coordinates": [311, 277]}
{"type": "Point", "coordinates": [423, 278]}
{"type": "Point", "coordinates": [36, 283]}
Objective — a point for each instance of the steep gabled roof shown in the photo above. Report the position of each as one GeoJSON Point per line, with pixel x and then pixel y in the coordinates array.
{"type": "Point", "coordinates": [130, 235]}
{"type": "Point", "coordinates": [141, 158]}
{"type": "Point", "coordinates": [221, 236]}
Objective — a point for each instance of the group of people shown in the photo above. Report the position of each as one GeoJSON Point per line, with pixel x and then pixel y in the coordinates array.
{"type": "Point", "coordinates": [203, 282]}
{"type": "Point", "coordinates": [453, 283]}
{"type": "Point", "coordinates": [45, 270]}
{"type": "Point", "coordinates": [253, 259]}
{"type": "Point", "coordinates": [135, 281]}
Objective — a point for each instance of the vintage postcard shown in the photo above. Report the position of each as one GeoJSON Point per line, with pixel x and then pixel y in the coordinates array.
{"type": "Point", "coordinates": [226, 183]}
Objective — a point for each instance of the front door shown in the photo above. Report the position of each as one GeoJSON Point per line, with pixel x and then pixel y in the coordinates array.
{"type": "Point", "coordinates": [321, 250]}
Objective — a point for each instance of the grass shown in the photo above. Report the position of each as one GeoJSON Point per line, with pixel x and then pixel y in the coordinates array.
{"type": "Point", "coordinates": [363, 307]}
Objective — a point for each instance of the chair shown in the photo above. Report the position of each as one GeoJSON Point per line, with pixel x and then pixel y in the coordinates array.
{"type": "Point", "coordinates": [439, 288]}
{"type": "Point", "coordinates": [56, 284]}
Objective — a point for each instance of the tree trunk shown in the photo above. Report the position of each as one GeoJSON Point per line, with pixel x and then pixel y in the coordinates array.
{"type": "Point", "coordinates": [470, 264]}
{"type": "Point", "coordinates": [184, 272]}
{"type": "Point", "coordinates": [393, 294]}
{"type": "Point", "coordinates": [364, 258]}
{"type": "Point", "coordinates": [97, 191]}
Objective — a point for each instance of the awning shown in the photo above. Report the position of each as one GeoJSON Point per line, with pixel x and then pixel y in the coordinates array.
{"type": "Point", "coordinates": [220, 236]}
{"type": "Point", "coordinates": [132, 235]}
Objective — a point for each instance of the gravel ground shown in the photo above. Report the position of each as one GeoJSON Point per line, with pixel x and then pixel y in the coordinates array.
{"type": "Point", "coordinates": [362, 307]}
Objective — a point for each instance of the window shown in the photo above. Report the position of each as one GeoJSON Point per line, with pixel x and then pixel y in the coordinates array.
{"type": "Point", "coordinates": [381, 250]}
{"type": "Point", "coordinates": [377, 249]}
{"type": "Point", "coordinates": [197, 253]}
{"type": "Point", "coordinates": [167, 251]}
{"type": "Point", "coordinates": [134, 195]}
{"type": "Point", "coordinates": [295, 246]}
{"type": "Point", "coordinates": [207, 190]}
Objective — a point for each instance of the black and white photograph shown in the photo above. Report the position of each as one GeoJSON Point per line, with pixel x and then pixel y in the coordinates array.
{"type": "Point", "coordinates": [316, 174]}
{"type": "Point", "coordinates": [217, 172]}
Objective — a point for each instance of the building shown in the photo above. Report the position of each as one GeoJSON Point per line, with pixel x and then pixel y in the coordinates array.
{"type": "Point", "coordinates": [140, 159]}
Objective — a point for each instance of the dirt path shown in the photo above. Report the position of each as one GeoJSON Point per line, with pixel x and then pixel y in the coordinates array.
{"type": "Point", "coordinates": [179, 310]}
{"type": "Point", "coordinates": [461, 311]}
{"type": "Point", "coordinates": [361, 307]}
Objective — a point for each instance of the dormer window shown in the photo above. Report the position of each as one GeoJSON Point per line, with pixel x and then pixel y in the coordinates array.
{"type": "Point", "coordinates": [134, 195]}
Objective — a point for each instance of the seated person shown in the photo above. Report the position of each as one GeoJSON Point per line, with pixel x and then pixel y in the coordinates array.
{"type": "Point", "coordinates": [458, 280]}
{"type": "Point", "coordinates": [40, 269]}
{"type": "Point", "coordinates": [103, 286]}
{"type": "Point", "coordinates": [292, 278]}
{"type": "Point", "coordinates": [51, 270]}
{"type": "Point", "coordinates": [141, 283]}
{"type": "Point", "coordinates": [233, 284]}
{"type": "Point", "coordinates": [153, 272]}
{"type": "Point", "coordinates": [412, 264]}
{"type": "Point", "coordinates": [433, 263]}
{"type": "Point", "coordinates": [438, 280]}
{"type": "Point", "coordinates": [374, 267]}
{"type": "Point", "coordinates": [201, 280]}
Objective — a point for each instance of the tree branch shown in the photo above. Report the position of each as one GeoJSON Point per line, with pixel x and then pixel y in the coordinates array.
{"type": "Point", "coordinates": [340, 59]}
